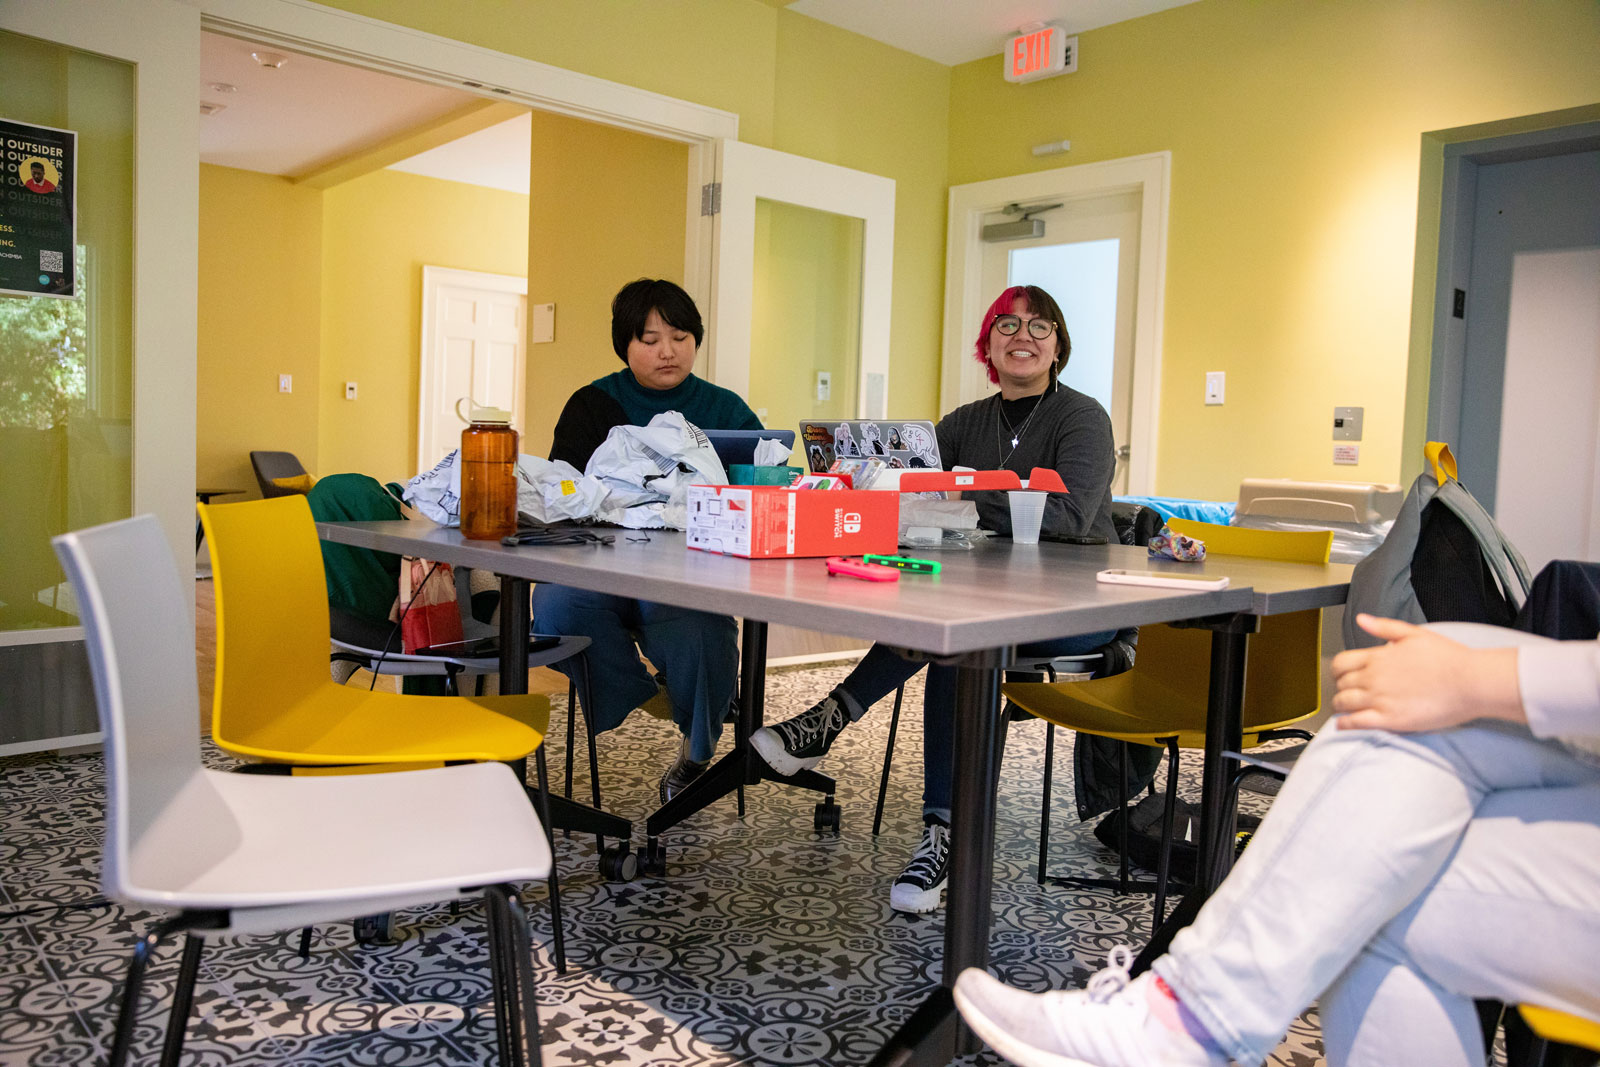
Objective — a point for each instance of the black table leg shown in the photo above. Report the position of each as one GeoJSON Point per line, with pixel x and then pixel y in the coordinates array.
{"type": "Point", "coordinates": [1224, 732]}
{"type": "Point", "coordinates": [741, 766]}
{"type": "Point", "coordinates": [515, 624]}
{"type": "Point", "coordinates": [934, 1034]}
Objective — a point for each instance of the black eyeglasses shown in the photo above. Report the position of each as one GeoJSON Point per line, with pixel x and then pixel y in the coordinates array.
{"type": "Point", "coordinates": [1038, 329]}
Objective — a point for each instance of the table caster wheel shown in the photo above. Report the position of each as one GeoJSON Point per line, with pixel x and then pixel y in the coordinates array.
{"type": "Point", "coordinates": [827, 817]}
{"type": "Point", "coordinates": [374, 929]}
{"type": "Point", "coordinates": [619, 864]}
{"type": "Point", "coordinates": [653, 859]}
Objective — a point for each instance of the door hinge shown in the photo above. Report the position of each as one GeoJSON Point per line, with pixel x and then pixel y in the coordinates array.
{"type": "Point", "coordinates": [711, 198]}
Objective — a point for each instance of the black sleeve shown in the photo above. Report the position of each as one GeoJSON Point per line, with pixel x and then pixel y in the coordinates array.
{"type": "Point", "coordinates": [1085, 458]}
{"type": "Point", "coordinates": [584, 423]}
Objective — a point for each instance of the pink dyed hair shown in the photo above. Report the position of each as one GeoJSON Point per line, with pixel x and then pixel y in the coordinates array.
{"type": "Point", "coordinates": [1001, 306]}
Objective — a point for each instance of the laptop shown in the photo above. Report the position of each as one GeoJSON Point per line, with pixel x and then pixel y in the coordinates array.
{"type": "Point", "coordinates": [904, 443]}
{"type": "Point", "coordinates": [739, 446]}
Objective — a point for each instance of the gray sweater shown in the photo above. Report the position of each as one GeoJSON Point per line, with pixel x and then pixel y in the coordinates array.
{"type": "Point", "coordinates": [1069, 432]}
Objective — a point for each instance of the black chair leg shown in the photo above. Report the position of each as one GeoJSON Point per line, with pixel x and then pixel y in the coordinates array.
{"type": "Point", "coordinates": [182, 1001]}
{"type": "Point", "coordinates": [572, 736]}
{"type": "Point", "coordinates": [305, 943]}
{"type": "Point", "coordinates": [888, 758]}
{"type": "Point", "coordinates": [588, 730]}
{"type": "Point", "coordinates": [521, 941]}
{"type": "Point", "coordinates": [1164, 858]}
{"type": "Point", "coordinates": [1044, 798]}
{"type": "Point", "coordinates": [133, 985]}
{"type": "Point", "coordinates": [557, 936]}
{"type": "Point", "coordinates": [501, 968]}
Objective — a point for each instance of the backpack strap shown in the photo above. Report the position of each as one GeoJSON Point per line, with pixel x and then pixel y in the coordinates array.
{"type": "Point", "coordinates": [1509, 568]}
{"type": "Point", "coordinates": [1440, 459]}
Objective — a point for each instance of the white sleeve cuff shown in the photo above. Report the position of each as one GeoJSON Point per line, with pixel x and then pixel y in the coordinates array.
{"type": "Point", "coordinates": [1560, 686]}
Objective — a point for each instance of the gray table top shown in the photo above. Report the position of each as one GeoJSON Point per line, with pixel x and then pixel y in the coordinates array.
{"type": "Point", "coordinates": [997, 595]}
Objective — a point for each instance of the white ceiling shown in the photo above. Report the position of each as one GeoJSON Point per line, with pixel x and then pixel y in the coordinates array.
{"type": "Point", "coordinates": [312, 112]}
{"type": "Point", "coordinates": [959, 31]}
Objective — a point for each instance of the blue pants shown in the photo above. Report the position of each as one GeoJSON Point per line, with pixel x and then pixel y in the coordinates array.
{"type": "Point", "coordinates": [883, 670]}
{"type": "Point", "coordinates": [696, 651]}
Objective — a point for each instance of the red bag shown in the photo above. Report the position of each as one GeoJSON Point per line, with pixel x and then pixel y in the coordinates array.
{"type": "Point", "coordinates": [429, 614]}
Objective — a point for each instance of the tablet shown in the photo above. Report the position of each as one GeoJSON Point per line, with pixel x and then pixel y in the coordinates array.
{"type": "Point", "coordinates": [1167, 579]}
{"type": "Point", "coordinates": [739, 446]}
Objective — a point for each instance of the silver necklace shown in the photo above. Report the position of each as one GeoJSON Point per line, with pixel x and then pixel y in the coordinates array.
{"type": "Point", "coordinates": [1016, 432]}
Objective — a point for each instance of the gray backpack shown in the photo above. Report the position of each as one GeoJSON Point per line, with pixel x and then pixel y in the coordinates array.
{"type": "Point", "coordinates": [1444, 560]}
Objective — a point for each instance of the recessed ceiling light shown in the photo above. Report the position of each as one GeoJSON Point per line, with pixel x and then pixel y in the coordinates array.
{"type": "Point", "coordinates": [208, 108]}
{"type": "Point", "coordinates": [222, 87]}
{"type": "Point", "coordinates": [270, 59]}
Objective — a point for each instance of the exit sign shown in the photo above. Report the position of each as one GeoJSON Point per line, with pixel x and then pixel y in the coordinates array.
{"type": "Point", "coordinates": [1040, 53]}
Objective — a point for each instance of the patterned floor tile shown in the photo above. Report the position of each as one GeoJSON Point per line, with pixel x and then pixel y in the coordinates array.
{"type": "Point", "coordinates": [765, 945]}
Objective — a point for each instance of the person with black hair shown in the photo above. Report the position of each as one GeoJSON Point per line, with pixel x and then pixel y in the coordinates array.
{"type": "Point", "coordinates": [655, 331]}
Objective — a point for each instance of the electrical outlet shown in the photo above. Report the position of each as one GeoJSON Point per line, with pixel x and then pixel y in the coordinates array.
{"type": "Point", "coordinates": [1216, 386]}
{"type": "Point", "coordinates": [349, 390]}
{"type": "Point", "coordinates": [285, 383]}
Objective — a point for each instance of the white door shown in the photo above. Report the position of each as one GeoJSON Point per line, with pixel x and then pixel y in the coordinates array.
{"type": "Point", "coordinates": [763, 193]}
{"type": "Point", "coordinates": [1088, 259]}
{"type": "Point", "coordinates": [1115, 209]}
{"type": "Point", "coordinates": [474, 346]}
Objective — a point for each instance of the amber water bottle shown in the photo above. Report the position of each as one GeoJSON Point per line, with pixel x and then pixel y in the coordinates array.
{"type": "Point", "coordinates": [488, 474]}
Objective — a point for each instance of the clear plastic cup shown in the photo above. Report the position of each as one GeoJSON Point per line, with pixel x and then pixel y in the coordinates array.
{"type": "Point", "coordinates": [1027, 513]}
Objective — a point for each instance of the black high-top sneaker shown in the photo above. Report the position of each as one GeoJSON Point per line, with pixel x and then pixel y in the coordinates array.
{"type": "Point", "coordinates": [920, 887]}
{"type": "Point", "coordinates": [798, 744]}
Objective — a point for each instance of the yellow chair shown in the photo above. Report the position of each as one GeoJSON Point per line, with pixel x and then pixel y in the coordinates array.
{"type": "Point", "coordinates": [1162, 700]}
{"type": "Point", "coordinates": [1559, 1028]}
{"type": "Point", "coordinates": [274, 700]}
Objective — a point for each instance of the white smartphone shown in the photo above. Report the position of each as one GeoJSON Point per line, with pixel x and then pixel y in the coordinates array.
{"type": "Point", "coordinates": [1163, 578]}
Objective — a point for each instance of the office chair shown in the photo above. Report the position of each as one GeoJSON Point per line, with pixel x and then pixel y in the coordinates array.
{"type": "Point", "coordinates": [1162, 701]}
{"type": "Point", "coordinates": [210, 846]}
{"type": "Point", "coordinates": [275, 703]}
{"type": "Point", "coordinates": [279, 474]}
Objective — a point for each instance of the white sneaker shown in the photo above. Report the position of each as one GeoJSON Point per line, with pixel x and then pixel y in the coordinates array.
{"type": "Point", "coordinates": [1109, 1024]}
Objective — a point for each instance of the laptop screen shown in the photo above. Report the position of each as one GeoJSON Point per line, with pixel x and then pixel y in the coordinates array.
{"type": "Point", "coordinates": [904, 443]}
{"type": "Point", "coordinates": [739, 446]}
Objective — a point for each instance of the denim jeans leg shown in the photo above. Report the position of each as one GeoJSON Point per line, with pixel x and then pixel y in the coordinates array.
{"type": "Point", "coordinates": [619, 678]}
{"type": "Point", "coordinates": [699, 654]}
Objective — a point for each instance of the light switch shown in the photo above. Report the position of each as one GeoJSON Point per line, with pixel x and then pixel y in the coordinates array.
{"type": "Point", "coordinates": [824, 385]}
{"type": "Point", "coordinates": [349, 390]}
{"type": "Point", "coordinates": [1216, 386]}
{"type": "Point", "coordinates": [1347, 424]}
{"type": "Point", "coordinates": [285, 383]}
{"type": "Point", "coordinates": [543, 328]}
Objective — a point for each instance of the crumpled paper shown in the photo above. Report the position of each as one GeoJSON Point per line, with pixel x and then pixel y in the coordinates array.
{"type": "Point", "coordinates": [1169, 544]}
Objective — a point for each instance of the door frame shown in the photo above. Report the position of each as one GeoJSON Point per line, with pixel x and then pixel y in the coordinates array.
{"type": "Point", "coordinates": [1148, 175]}
{"type": "Point", "coordinates": [749, 172]}
{"type": "Point", "coordinates": [1455, 156]}
{"type": "Point", "coordinates": [149, 34]}
{"type": "Point", "coordinates": [432, 278]}
{"type": "Point", "coordinates": [389, 48]}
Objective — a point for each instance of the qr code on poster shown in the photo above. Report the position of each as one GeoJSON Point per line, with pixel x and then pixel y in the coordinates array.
{"type": "Point", "coordinates": [50, 260]}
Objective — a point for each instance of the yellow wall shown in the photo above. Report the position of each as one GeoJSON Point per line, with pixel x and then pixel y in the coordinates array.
{"type": "Point", "coordinates": [806, 314]}
{"type": "Point", "coordinates": [378, 233]}
{"type": "Point", "coordinates": [260, 297]}
{"type": "Point", "coordinates": [607, 207]}
{"type": "Point", "coordinates": [797, 85]}
{"type": "Point", "coordinates": [1295, 130]}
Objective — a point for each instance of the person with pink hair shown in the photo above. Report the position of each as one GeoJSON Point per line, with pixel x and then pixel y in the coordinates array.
{"type": "Point", "coordinates": [1032, 421]}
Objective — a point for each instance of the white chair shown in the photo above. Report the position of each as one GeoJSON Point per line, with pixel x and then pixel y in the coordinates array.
{"type": "Point", "coordinates": [250, 854]}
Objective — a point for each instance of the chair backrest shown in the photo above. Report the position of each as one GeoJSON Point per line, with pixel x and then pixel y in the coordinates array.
{"type": "Point", "coordinates": [272, 465]}
{"type": "Point", "coordinates": [272, 610]}
{"type": "Point", "coordinates": [141, 655]}
{"type": "Point", "coordinates": [1283, 672]}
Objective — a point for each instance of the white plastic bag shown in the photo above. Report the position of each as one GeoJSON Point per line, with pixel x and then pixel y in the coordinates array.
{"type": "Point", "coordinates": [647, 471]}
{"type": "Point", "coordinates": [547, 491]}
{"type": "Point", "coordinates": [437, 492]}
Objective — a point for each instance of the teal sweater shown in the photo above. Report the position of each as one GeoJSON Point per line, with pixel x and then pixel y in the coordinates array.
{"type": "Point", "coordinates": [619, 400]}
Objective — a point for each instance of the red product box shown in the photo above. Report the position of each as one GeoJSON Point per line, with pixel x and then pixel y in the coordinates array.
{"type": "Point", "coordinates": [769, 521]}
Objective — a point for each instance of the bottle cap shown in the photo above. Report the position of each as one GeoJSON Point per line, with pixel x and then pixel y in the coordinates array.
{"type": "Point", "coordinates": [481, 414]}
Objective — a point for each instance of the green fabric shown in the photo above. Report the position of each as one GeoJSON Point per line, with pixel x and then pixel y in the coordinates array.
{"type": "Point", "coordinates": [704, 404]}
{"type": "Point", "coordinates": [360, 581]}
